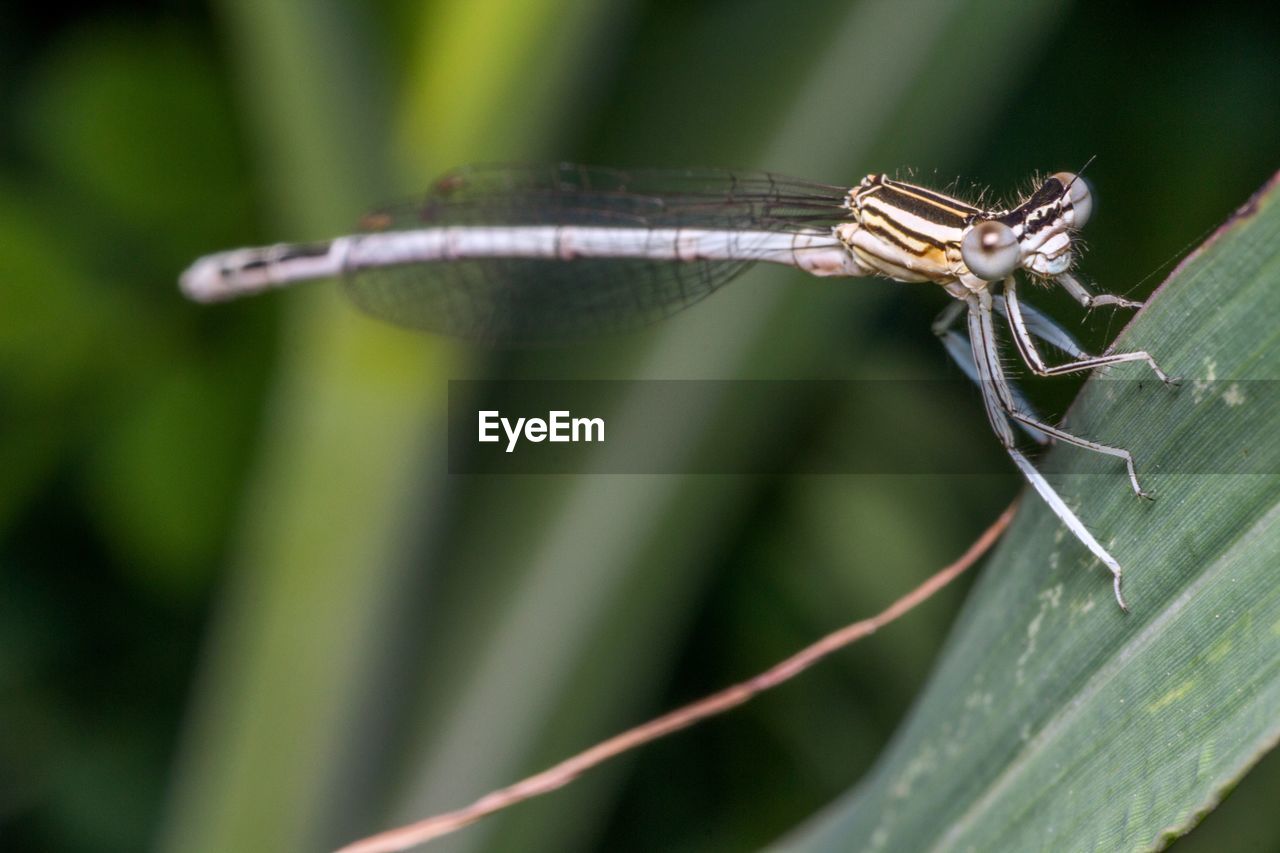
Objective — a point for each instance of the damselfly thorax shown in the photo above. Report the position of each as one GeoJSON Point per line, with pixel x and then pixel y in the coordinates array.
{"type": "Point", "coordinates": [519, 255]}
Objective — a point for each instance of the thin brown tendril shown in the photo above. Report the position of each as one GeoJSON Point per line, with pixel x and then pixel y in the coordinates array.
{"type": "Point", "coordinates": [404, 837]}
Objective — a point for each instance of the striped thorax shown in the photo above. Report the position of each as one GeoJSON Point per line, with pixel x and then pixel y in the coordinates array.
{"type": "Point", "coordinates": [910, 233]}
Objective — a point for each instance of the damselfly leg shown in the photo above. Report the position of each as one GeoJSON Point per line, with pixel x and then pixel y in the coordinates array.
{"type": "Point", "coordinates": [1088, 299]}
{"type": "Point", "coordinates": [1027, 348]}
{"type": "Point", "coordinates": [1001, 405]}
{"type": "Point", "coordinates": [961, 352]}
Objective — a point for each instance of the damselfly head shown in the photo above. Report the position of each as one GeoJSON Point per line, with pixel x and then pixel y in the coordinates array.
{"type": "Point", "coordinates": [1037, 235]}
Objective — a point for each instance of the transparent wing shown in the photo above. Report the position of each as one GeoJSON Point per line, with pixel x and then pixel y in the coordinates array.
{"type": "Point", "coordinates": [522, 301]}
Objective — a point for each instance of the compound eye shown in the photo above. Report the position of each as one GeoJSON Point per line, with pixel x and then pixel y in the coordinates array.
{"type": "Point", "coordinates": [990, 250]}
{"type": "Point", "coordinates": [1079, 195]}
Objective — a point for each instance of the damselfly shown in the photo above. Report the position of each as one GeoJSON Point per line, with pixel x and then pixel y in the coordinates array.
{"type": "Point", "coordinates": [535, 254]}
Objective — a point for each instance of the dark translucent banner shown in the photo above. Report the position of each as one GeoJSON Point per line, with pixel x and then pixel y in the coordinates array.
{"type": "Point", "coordinates": [842, 427]}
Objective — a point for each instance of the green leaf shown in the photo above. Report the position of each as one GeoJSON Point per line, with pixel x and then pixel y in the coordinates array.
{"type": "Point", "coordinates": [1054, 721]}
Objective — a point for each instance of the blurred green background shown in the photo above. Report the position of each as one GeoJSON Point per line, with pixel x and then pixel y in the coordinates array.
{"type": "Point", "coordinates": [243, 606]}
